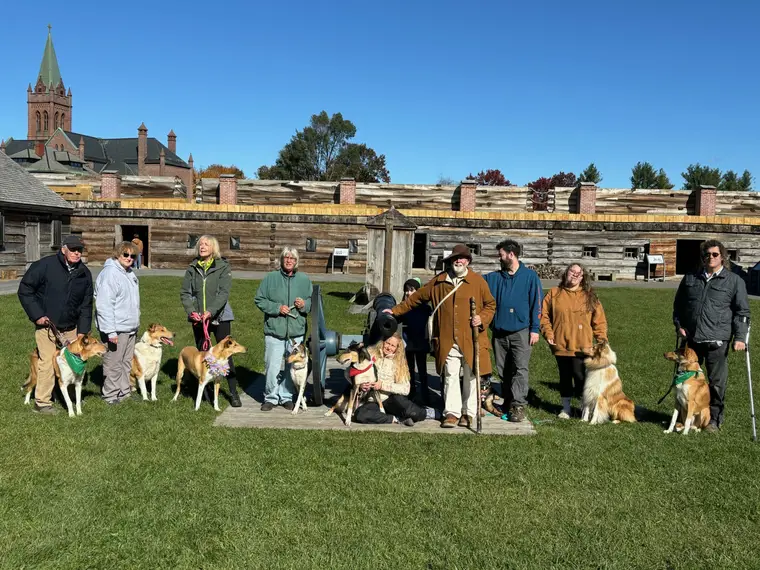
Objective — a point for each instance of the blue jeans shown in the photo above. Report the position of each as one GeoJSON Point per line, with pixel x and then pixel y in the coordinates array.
{"type": "Point", "coordinates": [138, 261]}
{"type": "Point", "coordinates": [279, 387]}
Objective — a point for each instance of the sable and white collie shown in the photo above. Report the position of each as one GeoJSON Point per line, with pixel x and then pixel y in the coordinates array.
{"type": "Point", "coordinates": [146, 361]}
{"type": "Point", "coordinates": [299, 370]}
{"type": "Point", "coordinates": [80, 351]}
{"type": "Point", "coordinates": [603, 397]}
{"type": "Point", "coordinates": [207, 366]}
{"type": "Point", "coordinates": [361, 371]}
{"type": "Point", "coordinates": [692, 392]}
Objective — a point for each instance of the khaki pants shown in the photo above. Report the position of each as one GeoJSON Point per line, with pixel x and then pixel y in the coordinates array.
{"type": "Point", "coordinates": [45, 340]}
{"type": "Point", "coordinates": [452, 394]}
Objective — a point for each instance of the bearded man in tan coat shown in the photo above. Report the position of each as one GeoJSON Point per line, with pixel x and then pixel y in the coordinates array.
{"type": "Point", "coordinates": [450, 292]}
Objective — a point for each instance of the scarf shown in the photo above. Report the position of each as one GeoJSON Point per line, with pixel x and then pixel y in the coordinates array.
{"type": "Point", "coordinates": [217, 368]}
{"type": "Point", "coordinates": [205, 265]}
{"type": "Point", "coordinates": [74, 361]}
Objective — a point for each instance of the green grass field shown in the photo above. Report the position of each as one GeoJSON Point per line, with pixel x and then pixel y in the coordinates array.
{"type": "Point", "coordinates": [154, 485]}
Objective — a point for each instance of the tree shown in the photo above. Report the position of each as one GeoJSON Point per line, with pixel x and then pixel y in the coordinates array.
{"type": "Point", "coordinates": [591, 174]}
{"type": "Point", "coordinates": [214, 170]}
{"type": "Point", "coordinates": [322, 151]}
{"type": "Point", "coordinates": [560, 180]}
{"type": "Point", "coordinates": [446, 181]}
{"type": "Point", "coordinates": [643, 175]}
{"type": "Point", "coordinates": [490, 178]}
{"type": "Point", "coordinates": [734, 183]}
{"type": "Point", "coordinates": [697, 175]}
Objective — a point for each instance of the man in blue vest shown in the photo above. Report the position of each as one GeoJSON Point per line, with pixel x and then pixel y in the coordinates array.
{"type": "Point", "coordinates": [518, 295]}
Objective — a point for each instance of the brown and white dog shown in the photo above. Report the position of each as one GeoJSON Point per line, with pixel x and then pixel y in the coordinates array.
{"type": "Point", "coordinates": [207, 366]}
{"type": "Point", "coordinates": [146, 361]}
{"type": "Point", "coordinates": [82, 349]}
{"type": "Point", "coordinates": [692, 392]}
{"type": "Point", "coordinates": [361, 371]}
{"type": "Point", "coordinates": [299, 370]}
{"type": "Point", "coordinates": [603, 397]}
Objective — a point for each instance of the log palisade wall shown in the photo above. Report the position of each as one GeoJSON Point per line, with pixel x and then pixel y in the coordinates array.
{"type": "Point", "coordinates": [17, 250]}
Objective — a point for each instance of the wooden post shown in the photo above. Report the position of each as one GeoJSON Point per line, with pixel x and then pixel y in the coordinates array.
{"type": "Point", "coordinates": [388, 255]}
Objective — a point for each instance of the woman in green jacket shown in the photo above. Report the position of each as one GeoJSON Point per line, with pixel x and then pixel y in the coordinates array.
{"type": "Point", "coordinates": [205, 296]}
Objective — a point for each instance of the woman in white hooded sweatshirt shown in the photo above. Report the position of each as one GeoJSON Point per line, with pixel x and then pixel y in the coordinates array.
{"type": "Point", "coordinates": [117, 310]}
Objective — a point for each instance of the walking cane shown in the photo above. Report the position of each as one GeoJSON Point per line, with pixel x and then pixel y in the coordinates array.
{"type": "Point", "coordinates": [749, 380]}
{"type": "Point", "coordinates": [476, 357]}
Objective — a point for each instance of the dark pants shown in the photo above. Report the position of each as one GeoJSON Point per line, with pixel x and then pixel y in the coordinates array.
{"type": "Point", "coordinates": [396, 405]}
{"type": "Point", "coordinates": [219, 331]}
{"type": "Point", "coordinates": [511, 351]}
{"type": "Point", "coordinates": [420, 359]}
{"type": "Point", "coordinates": [715, 359]}
{"type": "Point", "coordinates": [572, 376]}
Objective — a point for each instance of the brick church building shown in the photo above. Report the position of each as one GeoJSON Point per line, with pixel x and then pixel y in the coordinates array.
{"type": "Point", "coordinates": [51, 145]}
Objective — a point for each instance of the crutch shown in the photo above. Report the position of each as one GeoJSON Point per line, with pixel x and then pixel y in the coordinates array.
{"type": "Point", "coordinates": [476, 358]}
{"type": "Point", "coordinates": [749, 380]}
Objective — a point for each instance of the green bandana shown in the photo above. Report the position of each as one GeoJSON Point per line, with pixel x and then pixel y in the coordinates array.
{"type": "Point", "coordinates": [683, 377]}
{"type": "Point", "coordinates": [74, 361]}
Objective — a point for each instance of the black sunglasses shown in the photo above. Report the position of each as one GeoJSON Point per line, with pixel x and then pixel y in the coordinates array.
{"type": "Point", "coordinates": [75, 249]}
{"type": "Point", "coordinates": [709, 254]}
{"type": "Point", "coordinates": [130, 255]}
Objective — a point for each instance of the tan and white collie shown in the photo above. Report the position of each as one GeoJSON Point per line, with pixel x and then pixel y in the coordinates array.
{"type": "Point", "coordinates": [299, 370]}
{"type": "Point", "coordinates": [692, 392]}
{"type": "Point", "coordinates": [361, 371]}
{"type": "Point", "coordinates": [603, 397]}
{"type": "Point", "coordinates": [146, 361]}
{"type": "Point", "coordinates": [207, 366]}
{"type": "Point", "coordinates": [79, 352]}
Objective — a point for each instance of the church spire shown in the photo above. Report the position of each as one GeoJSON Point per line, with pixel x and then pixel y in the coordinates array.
{"type": "Point", "coordinates": [49, 71]}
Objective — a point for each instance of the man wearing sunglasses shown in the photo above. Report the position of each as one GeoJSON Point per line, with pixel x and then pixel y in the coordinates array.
{"type": "Point", "coordinates": [56, 293]}
{"type": "Point", "coordinates": [711, 307]}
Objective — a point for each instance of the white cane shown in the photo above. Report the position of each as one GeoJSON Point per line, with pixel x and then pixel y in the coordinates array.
{"type": "Point", "coordinates": [749, 380]}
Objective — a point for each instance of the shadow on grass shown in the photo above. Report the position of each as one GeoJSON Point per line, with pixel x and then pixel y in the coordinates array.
{"type": "Point", "coordinates": [341, 294]}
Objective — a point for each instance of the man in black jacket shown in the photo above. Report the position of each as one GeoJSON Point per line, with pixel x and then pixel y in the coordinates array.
{"type": "Point", "coordinates": [56, 289]}
{"type": "Point", "coordinates": [711, 307]}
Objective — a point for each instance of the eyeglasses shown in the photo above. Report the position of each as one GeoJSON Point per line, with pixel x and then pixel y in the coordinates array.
{"type": "Point", "coordinates": [709, 254]}
{"type": "Point", "coordinates": [75, 249]}
{"type": "Point", "coordinates": [130, 255]}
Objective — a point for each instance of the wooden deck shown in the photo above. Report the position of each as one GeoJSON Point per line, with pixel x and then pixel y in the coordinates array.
{"type": "Point", "coordinates": [250, 415]}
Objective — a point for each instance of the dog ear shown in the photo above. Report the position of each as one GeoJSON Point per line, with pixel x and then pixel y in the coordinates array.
{"type": "Point", "coordinates": [153, 326]}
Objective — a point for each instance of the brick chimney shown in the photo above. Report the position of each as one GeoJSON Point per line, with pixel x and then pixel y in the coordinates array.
{"type": "Point", "coordinates": [467, 191]}
{"type": "Point", "coordinates": [39, 148]}
{"type": "Point", "coordinates": [110, 185]}
{"type": "Point", "coordinates": [142, 148]}
{"type": "Point", "coordinates": [161, 162]}
{"type": "Point", "coordinates": [2, 146]}
{"type": "Point", "coordinates": [705, 203]}
{"type": "Point", "coordinates": [587, 198]}
{"type": "Point", "coordinates": [172, 141]}
{"type": "Point", "coordinates": [228, 189]}
{"type": "Point", "coordinates": [81, 148]}
{"type": "Point", "coordinates": [347, 191]}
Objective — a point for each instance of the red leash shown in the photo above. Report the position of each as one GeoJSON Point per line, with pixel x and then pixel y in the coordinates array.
{"type": "Point", "coordinates": [206, 337]}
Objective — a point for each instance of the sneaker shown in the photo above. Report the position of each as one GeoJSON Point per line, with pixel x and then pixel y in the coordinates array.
{"type": "Point", "coordinates": [235, 400]}
{"type": "Point", "coordinates": [517, 413]}
{"type": "Point", "coordinates": [267, 407]}
{"type": "Point", "coordinates": [563, 415]}
{"type": "Point", "coordinates": [45, 410]}
{"type": "Point", "coordinates": [712, 427]}
{"type": "Point", "coordinates": [450, 421]}
{"type": "Point", "coordinates": [408, 422]}
{"type": "Point", "coordinates": [464, 421]}
{"type": "Point", "coordinates": [289, 406]}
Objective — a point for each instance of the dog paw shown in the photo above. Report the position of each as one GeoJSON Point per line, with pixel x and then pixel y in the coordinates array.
{"type": "Point", "coordinates": [154, 399]}
{"type": "Point", "coordinates": [666, 431]}
{"type": "Point", "coordinates": [294, 412]}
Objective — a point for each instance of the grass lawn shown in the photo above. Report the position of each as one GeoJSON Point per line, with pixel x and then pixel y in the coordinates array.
{"type": "Point", "coordinates": [154, 485]}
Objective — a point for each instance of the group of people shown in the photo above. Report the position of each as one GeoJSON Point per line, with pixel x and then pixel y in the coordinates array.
{"type": "Point", "coordinates": [711, 309]}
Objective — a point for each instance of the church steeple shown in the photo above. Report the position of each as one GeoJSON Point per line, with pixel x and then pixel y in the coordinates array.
{"type": "Point", "coordinates": [50, 73]}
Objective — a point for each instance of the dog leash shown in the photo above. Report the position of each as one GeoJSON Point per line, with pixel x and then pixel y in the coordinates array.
{"type": "Point", "coordinates": [206, 337]}
{"type": "Point", "coordinates": [678, 379]}
{"type": "Point", "coordinates": [58, 336]}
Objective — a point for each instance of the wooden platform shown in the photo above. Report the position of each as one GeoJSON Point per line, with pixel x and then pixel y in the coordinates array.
{"type": "Point", "coordinates": [251, 416]}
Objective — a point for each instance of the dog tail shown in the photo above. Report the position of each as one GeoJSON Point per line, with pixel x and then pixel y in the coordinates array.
{"type": "Point", "coordinates": [31, 380]}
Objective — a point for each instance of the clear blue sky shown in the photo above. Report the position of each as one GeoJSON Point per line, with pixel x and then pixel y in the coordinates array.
{"type": "Point", "coordinates": [442, 88]}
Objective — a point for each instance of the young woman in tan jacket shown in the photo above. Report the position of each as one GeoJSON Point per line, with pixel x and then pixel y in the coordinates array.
{"type": "Point", "coordinates": [571, 319]}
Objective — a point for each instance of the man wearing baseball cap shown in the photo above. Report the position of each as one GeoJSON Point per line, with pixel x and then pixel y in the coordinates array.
{"type": "Point", "coordinates": [56, 293]}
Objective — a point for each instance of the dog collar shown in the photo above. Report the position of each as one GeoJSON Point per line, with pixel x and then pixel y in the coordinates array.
{"type": "Point", "coordinates": [355, 371]}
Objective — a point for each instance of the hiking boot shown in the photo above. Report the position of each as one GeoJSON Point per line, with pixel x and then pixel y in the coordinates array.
{"type": "Point", "coordinates": [517, 414]}
{"type": "Point", "coordinates": [712, 427]}
{"type": "Point", "coordinates": [289, 406]}
{"type": "Point", "coordinates": [45, 410]}
{"type": "Point", "coordinates": [267, 407]}
{"type": "Point", "coordinates": [450, 421]}
{"type": "Point", "coordinates": [408, 422]}
{"type": "Point", "coordinates": [235, 400]}
{"type": "Point", "coordinates": [464, 421]}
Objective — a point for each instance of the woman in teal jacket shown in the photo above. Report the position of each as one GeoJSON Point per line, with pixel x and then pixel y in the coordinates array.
{"type": "Point", "coordinates": [284, 297]}
{"type": "Point", "coordinates": [205, 296]}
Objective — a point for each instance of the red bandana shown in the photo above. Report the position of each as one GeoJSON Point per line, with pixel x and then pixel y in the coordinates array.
{"type": "Point", "coordinates": [355, 371]}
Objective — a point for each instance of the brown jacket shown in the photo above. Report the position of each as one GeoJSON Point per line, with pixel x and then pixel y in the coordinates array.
{"type": "Point", "coordinates": [451, 323]}
{"type": "Point", "coordinates": [566, 320]}
{"type": "Point", "coordinates": [138, 242]}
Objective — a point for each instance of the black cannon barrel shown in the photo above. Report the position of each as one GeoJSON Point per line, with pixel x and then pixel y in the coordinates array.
{"type": "Point", "coordinates": [385, 325]}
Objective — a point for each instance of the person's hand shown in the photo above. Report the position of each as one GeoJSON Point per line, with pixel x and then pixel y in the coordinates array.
{"type": "Point", "coordinates": [533, 338]}
{"type": "Point", "coordinates": [195, 316]}
{"type": "Point", "coordinates": [389, 311]}
{"type": "Point", "coordinates": [376, 385]}
{"type": "Point", "coordinates": [682, 332]}
{"type": "Point", "coordinates": [366, 387]}
{"type": "Point", "coordinates": [42, 321]}
{"type": "Point", "coordinates": [299, 303]}
{"type": "Point", "coordinates": [284, 310]}
{"type": "Point", "coordinates": [475, 321]}
{"type": "Point", "coordinates": [113, 340]}
{"type": "Point", "coordinates": [551, 341]}
{"type": "Point", "coordinates": [206, 316]}
{"type": "Point", "coordinates": [739, 345]}
{"type": "Point", "coordinates": [80, 336]}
